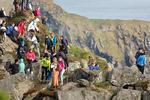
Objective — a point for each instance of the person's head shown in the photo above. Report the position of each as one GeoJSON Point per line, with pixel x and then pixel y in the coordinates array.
{"type": "Point", "coordinates": [45, 18]}
{"type": "Point", "coordinates": [61, 37]}
{"type": "Point", "coordinates": [32, 34]}
{"type": "Point", "coordinates": [52, 34]}
{"type": "Point", "coordinates": [93, 63]}
{"type": "Point", "coordinates": [2, 9]}
{"type": "Point", "coordinates": [60, 59]}
{"type": "Point", "coordinates": [38, 8]}
{"type": "Point", "coordinates": [4, 22]}
{"type": "Point", "coordinates": [144, 52]}
{"type": "Point", "coordinates": [22, 43]}
{"type": "Point", "coordinates": [31, 50]}
{"type": "Point", "coordinates": [140, 50]}
{"type": "Point", "coordinates": [13, 24]}
{"type": "Point", "coordinates": [46, 36]}
{"type": "Point", "coordinates": [16, 61]}
{"type": "Point", "coordinates": [54, 59]}
{"type": "Point", "coordinates": [45, 51]}
{"type": "Point", "coordinates": [48, 57]}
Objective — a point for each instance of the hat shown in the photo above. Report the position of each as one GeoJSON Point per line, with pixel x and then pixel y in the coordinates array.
{"type": "Point", "coordinates": [23, 43]}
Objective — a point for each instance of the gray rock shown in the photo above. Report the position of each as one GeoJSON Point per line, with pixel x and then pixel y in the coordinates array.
{"type": "Point", "coordinates": [16, 85]}
{"type": "Point", "coordinates": [128, 95]}
{"type": "Point", "coordinates": [123, 76]}
{"type": "Point", "coordinates": [146, 95]}
{"type": "Point", "coordinates": [74, 65]}
{"type": "Point", "coordinates": [83, 94]}
{"type": "Point", "coordinates": [84, 64]}
{"type": "Point", "coordinates": [83, 83]}
{"type": "Point", "coordinates": [102, 76]}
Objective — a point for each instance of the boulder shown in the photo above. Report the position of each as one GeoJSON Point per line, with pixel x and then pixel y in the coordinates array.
{"type": "Point", "coordinates": [128, 95]}
{"type": "Point", "coordinates": [124, 76]}
{"type": "Point", "coordinates": [83, 83]}
{"type": "Point", "coordinates": [146, 95]}
{"type": "Point", "coordinates": [74, 65]}
{"type": "Point", "coordinates": [16, 85]}
{"type": "Point", "coordinates": [84, 64]}
{"type": "Point", "coordinates": [83, 94]}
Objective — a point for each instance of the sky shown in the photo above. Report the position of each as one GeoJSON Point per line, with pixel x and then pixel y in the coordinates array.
{"type": "Point", "coordinates": [108, 9]}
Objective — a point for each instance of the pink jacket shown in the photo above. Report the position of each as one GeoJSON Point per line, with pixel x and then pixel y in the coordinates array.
{"type": "Point", "coordinates": [37, 13]}
{"type": "Point", "coordinates": [62, 64]}
{"type": "Point", "coordinates": [30, 56]}
{"type": "Point", "coordinates": [21, 27]}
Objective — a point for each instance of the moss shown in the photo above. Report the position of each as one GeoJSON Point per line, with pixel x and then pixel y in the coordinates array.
{"type": "Point", "coordinates": [104, 85]}
{"type": "Point", "coordinates": [4, 95]}
{"type": "Point", "coordinates": [48, 92]}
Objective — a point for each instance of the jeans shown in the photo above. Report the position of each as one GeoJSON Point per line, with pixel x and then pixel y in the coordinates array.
{"type": "Point", "coordinates": [50, 74]}
{"type": "Point", "coordinates": [141, 68]}
{"type": "Point", "coordinates": [30, 65]}
{"type": "Point", "coordinates": [37, 48]}
{"type": "Point", "coordinates": [61, 74]}
{"type": "Point", "coordinates": [44, 72]}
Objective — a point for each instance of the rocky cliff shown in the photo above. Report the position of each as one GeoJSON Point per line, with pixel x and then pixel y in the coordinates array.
{"type": "Point", "coordinates": [115, 40]}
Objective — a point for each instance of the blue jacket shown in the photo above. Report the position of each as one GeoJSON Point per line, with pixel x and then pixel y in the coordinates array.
{"type": "Point", "coordinates": [54, 40]}
{"type": "Point", "coordinates": [21, 66]}
{"type": "Point", "coordinates": [9, 30]}
{"type": "Point", "coordinates": [50, 28]}
{"type": "Point", "coordinates": [141, 60]}
{"type": "Point", "coordinates": [63, 42]}
{"type": "Point", "coordinates": [93, 67]}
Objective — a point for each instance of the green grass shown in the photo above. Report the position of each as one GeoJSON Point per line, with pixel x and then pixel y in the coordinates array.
{"type": "Point", "coordinates": [4, 95]}
{"type": "Point", "coordinates": [103, 85]}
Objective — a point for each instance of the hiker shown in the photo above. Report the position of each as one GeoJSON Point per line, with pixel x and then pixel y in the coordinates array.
{"type": "Point", "coordinates": [48, 43]}
{"type": "Point", "coordinates": [21, 66]}
{"type": "Point", "coordinates": [90, 60]}
{"type": "Point", "coordinates": [21, 28]}
{"type": "Point", "coordinates": [21, 51]}
{"type": "Point", "coordinates": [45, 62]}
{"type": "Point", "coordinates": [8, 66]}
{"type": "Point", "coordinates": [17, 4]}
{"type": "Point", "coordinates": [53, 55]}
{"type": "Point", "coordinates": [2, 31]}
{"type": "Point", "coordinates": [93, 66]}
{"type": "Point", "coordinates": [54, 41]}
{"type": "Point", "coordinates": [30, 56]}
{"type": "Point", "coordinates": [33, 25]}
{"type": "Point", "coordinates": [139, 52]}
{"type": "Point", "coordinates": [55, 72]}
{"type": "Point", "coordinates": [63, 45]}
{"type": "Point", "coordinates": [2, 12]}
{"type": "Point", "coordinates": [46, 53]}
{"type": "Point", "coordinates": [15, 67]}
{"type": "Point", "coordinates": [61, 69]}
{"type": "Point", "coordinates": [64, 57]}
{"type": "Point", "coordinates": [3, 24]}
{"type": "Point", "coordinates": [35, 43]}
{"type": "Point", "coordinates": [37, 12]}
{"type": "Point", "coordinates": [28, 5]}
{"type": "Point", "coordinates": [141, 62]}
{"type": "Point", "coordinates": [9, 31]}
{"type": "Point", "coordinates": [44, 20]}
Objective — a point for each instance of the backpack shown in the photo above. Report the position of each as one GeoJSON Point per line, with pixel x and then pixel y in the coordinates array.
{"type": "Point", "coordinates": [67, 41]}
{"type": "Point", "coordinates": [38, 39]}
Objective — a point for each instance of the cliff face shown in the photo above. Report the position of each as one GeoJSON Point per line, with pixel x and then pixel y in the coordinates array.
{"type": "Point", "coordinates": [115, 40]}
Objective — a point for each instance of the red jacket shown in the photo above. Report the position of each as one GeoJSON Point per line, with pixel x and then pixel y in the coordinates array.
{"type": "Point", "coordinates": [37, 13]}
{"type": "Point", "coordinates": [62, 64]}
{"type": "Point", "coordinates": [30, 56]}
{"type": "Point", "coordinates": [21, 27]}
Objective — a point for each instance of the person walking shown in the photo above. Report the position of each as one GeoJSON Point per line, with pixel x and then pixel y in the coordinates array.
{"type": "Point", "coordinates": [141, 62]}
{"type": "Point", "coordinates": [137, 55]}
{"type": "Point", "coordinates": [21, 66]}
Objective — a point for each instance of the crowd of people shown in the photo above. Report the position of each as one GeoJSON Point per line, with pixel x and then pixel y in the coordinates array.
{"type": "Point", "coordinates": [53, 62]}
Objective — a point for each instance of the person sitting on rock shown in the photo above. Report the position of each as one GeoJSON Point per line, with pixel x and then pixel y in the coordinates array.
{"type": "Point", "coordinates": [139, 52]}
{"type": "Point", "coordinates": [33, 25]}
{"type": "Point", "coordinates": [45, 62]}
{"type": "Point", "coordinates": [93, 66]}
{"type": "Point", "coordinates": [37, 12]}
{"type": "Point", "coordinates": [15, 67]}
{"type": "Point", "coordinates": [2, 12]}
{"type": "Point", "coordinates": [90, 60]}
{"type": "Point", "coordinates": [30, 56]}
{"type": "Point", "coordinates": [141, 62]}
{"type": "Point", "coordinates": [21, 66]}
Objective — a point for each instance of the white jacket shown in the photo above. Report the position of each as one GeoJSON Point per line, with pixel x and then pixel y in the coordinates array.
{"type": "Point", "coordinates": [33, 39]}
{"type": "Point", "coordinates": [33, 25]}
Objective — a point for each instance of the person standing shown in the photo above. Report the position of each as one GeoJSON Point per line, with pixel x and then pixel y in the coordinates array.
{"type": "Point", "coordinates": [21, 51]}
{"type": "Point", "coordinates": [141, 62]}
{"type": "Point", "coordinates": [21, 66]}
{"type": "Point", "coordinates": [54, 41]}
{"type": "Point", "coordinates": [30, 56]}
{"type": "Point", "coordinates": [137, 55]}
{"type": "Point", "coordinates": [37, 12]}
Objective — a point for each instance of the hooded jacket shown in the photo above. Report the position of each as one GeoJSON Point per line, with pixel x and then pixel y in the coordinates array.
{"type": "Point", "coordinates": [30, 56]}
{"type": "Point", "coordinates": [37, 13]}
{"type": "Point", "coordinates": [93, 67]}
{"type": "Point", "coordinates": [62, 64]}
{"type": "Point", "coordinates": [45, 63]}
{"type": "Point", "coordinates": [21, 66]}
{"type": "Point", "coordinates": [33, 25]}
{"type": "Point", "coordinates": [141, 60]}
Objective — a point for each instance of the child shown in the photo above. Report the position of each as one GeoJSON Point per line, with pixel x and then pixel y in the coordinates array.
{"type": "Point", "coordinates": [93, 66]}
{"type": "Point", "coordinates": [21, 66]}
{"type": "Point", "coordinates": [55, 72]}
{"type": "Point", "coordinates": [45, 62]}
{"type": "Point", "coordinates": [61, 69]}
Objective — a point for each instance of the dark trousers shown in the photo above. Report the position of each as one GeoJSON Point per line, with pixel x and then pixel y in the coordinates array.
{"type": "Point", "coordinates": [141, 68]}
{"type": "Point", "coordinates": [44, 72]}
{"type": "Point", "coordinates": [30, 65]}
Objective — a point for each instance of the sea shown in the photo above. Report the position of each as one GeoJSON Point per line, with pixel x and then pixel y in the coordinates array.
{"type": "Point", "coordinates": [108, 9]}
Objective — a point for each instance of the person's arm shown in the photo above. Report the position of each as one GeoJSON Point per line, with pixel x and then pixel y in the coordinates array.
{"type": "Point", "coordinates": [64, 42]}
{"type": "Point", "coordinates": [29, 26]}
{"type": "Point", "coordinates": [90, 67]}
{"type": "Point", "coordinates": [97, 68]}
{"type": "Point", "coordinates": [55, 40]}
{"type": "Point", "coordinates": [33, 56]}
